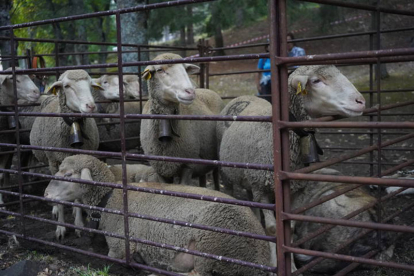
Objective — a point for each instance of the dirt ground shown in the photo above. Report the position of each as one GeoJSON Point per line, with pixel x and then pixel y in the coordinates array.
{"type": "Point", "coordinates": [56, 261]}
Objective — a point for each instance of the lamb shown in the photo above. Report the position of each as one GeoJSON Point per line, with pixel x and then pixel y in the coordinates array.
{"type": "Point", "coordinates": [26, 90]}
{"type": "Point", "coordinates": [335, 208]}
{"type": "Point", "coordinates": [171, 92]}
{"type": "Point", "coordinates": [73, 95]}
{"type": "Point", "coordinates": [197, 212]}
{"type": "Point", "coordinates": [112, 131]}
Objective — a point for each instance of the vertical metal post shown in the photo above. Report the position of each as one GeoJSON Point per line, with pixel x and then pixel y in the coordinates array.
{"type": "Point", "coordinates": [275, 14]}
{"type": "Point", "coordinates": [202, 65]}
{"type": "Point", "coordinates": [371, 103]}
{"type": "Point", "coordinates": [57, 59]}
{"type": "Point", "coordinates": [122, 128]}
{"type": "Point", "coordinates": [16, 117]}
{"type": "Point", "coordinates": [140, 81]}
{"type": "Point", "coordinates": [379, 140]}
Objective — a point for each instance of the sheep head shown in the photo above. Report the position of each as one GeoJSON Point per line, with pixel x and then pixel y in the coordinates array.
{"type": "Point", "coordinates": [326, 91]}
{"type": "Point", "coordinates": [26, 89]}
{"type": "Point", "coordinates": [131, 83]}
{"type": "Point", "coordinates": [170, 83]}
{"type": "Point", "coordinates": [76, 86]}
{"type": "Point", "coordinates": [83, 167]}
{"type": "Point", "coordinates": [110, 85]}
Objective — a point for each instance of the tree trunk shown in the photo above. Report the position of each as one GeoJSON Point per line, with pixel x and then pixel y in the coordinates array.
{"type": "Point", "coordinates": [133, 31]}
{"type": "Point", "coordinates": [239, 17]}
{"type": "Point", "coordinates": [79, 8]}
{"type": "Point", "coordinates": [218, 35]}
{"type": "Point", "coordinates": [190, 28]}
{"type": "Point", "coordinates": [103, 29]}
{"type": "Point", "coordinates": [182, 40]}
{"type": "Point", "coordinates": [5, 6]}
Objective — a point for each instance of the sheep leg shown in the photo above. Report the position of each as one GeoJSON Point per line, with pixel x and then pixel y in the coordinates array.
{"type": "Point", "coordinates": [59, 212]}
{"type": "Point", "coordinates": [256, 211]}
{"type": "Point", "coordinates": [216, 179]}
{"type": "Point", "coordinates": [77, 211]}
{"type": "Point", "coordinates": [202, 181]}
{"type": "Point", "coordinates": [186, 175]}
{"type": "Point", "coordinates": [5, 163]}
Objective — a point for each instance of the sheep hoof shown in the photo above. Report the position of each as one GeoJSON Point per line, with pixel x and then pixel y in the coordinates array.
{"type": "Point", "coordinates": [60, 232]}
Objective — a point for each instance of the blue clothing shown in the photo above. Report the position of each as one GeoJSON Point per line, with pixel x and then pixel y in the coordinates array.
{"type": "Point", "coordinates": [296, 52]}
{"type": "Point", "coordinates": [264, 64]}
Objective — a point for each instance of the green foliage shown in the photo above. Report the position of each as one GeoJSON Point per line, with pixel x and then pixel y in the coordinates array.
{"type": "Point", "coordinates": [93, 272]}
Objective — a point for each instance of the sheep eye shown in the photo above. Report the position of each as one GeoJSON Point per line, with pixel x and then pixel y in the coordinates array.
{"type": "Point", "coordinates": [67, 86]}
{"type": "Point", "coordinates": [160, 70]}
{"type": "Point", "coordinates": [67, 174]}
{"type": "Point", "coordinates": [105, 82]}
{"type": "Point", "coordinates": [316, 81]}
{"type": "Point", "coordinates": [17, 81]}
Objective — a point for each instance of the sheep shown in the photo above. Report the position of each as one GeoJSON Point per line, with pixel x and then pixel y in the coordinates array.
{"type": "Point", "coordinates": [111, 85]}
{"type": "Point", "coordinates": [112, 131]}
{"type": "Point", "coordinates": [172, 93]}
{"type": "Point", "coordinates": [197, 212]}
{"type": "Point", "coordinates": [334, 208]}
{"type": "Point", "coordinates": [26, 90]}
{"type": "Point", "coordinates": [252, 142]}
{"type": "Point", "coordinates": [73, 95]}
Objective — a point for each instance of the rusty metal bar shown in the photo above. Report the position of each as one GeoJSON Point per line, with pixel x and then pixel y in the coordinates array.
{"type": "Point", "coordinates": [363, 233]}
{"type": "Point", "coordinates": [348, 189]}
{"type": "Point", "coordinates": [341, 158]}
{"type": "Point", "coordinates": [105, 13]}
{"type": "Point", "coordinates": [361, 6]}
{"type": "Point", "coordinates": [358, 148]}
{"type": "Point", "coordinates": [314, 124]}
{"type": "Point", "coordinates": [145, 190]}
{"type": "Point", "coordinates": [349, 179]}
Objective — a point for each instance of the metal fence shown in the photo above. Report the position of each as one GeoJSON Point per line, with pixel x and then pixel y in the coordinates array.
{"type": "Point", "coordinates": [281, 127]}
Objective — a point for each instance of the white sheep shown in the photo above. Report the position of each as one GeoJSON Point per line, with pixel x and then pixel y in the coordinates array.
{"type": "Point", "coordinates": [172, 93]}
{"type": "Point", "coordinates": [137, 173]}
{"type": "Point", "coordinates": [328, 92]}
{"type": "Point", "coordinates": [193, 211]}
{"type": "Point", "coordinates": [111, 132]}
{"type": "Point", "coordinates": [336, 208]}
{"type": "Point", "coordinates": [73, 95]}
{"type": "Point", "coordinates": [27, 91]}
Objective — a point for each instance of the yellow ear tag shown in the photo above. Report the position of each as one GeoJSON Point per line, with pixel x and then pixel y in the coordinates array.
{"type": "Point", "coordinates": [149, 76]}
{"type": "Point", "coordinates": [299, 90]}
{"type": "Point", "coordinates": [54, 91]}
{"type": "Point", "coordinates": [98, 83]}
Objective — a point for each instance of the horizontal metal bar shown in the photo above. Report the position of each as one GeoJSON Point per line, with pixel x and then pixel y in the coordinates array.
{"type": "Point", "coordinates": [349, 179]}
{"type": "Point", "coordinates": [358, 148]}
{"type": "Point", "coordinates": [104, 13]}
{"type": "Point", "coordinates": [314, 124]}
{"type": "Point", "coordinates": [138, 189]}
{"type": "Point", "coordinates": [361, 6]}
{"type": "Point", "coordinates": [343, 56]}
{"type": "Point", "coordinates": [347, 258]}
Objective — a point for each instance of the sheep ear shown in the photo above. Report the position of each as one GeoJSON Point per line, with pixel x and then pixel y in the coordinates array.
{"type": "Point", "coordinates": [147, 74]}
{"type": "Point", "coordinates": [191, 68]}
{"type": "Point", "coordinates": [96, 85]}
{"type": "Point", "coordinates": [86, 174]}
{"type": "Point", "coordinates": [299, 83]}
{"type": "Point", "coordinates": [54, 88]}
{"type": "Point", "coordinates": [3, 78]}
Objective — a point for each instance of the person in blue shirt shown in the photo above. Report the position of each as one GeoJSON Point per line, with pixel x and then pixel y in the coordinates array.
{"type": "Point", "coordinates": [263, 78]}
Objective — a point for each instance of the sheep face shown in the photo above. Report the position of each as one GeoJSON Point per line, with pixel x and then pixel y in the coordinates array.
{"type": "Point", "coordinates": [64, 190]}
{"type": "Point", "coordinates": [26, 89]}
{"type": "Point", "coordinates": [131, 83]}
{"type": "Point", "coordinates": [173, 82]}
{"type": "Point", "coordinates": [77, 87]}
{"type": "Point", "coordinates": [110, 85]}
{"type": "Point", "coordinates": [327, 92]}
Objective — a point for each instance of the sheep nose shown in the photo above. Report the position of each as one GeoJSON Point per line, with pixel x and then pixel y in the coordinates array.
{"type": "Point", "coordinates": [90, 106]}
{"type": "Point", "coordinates": [189, 91]}
{"type": "Point", "coordinates": [360, 101]}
